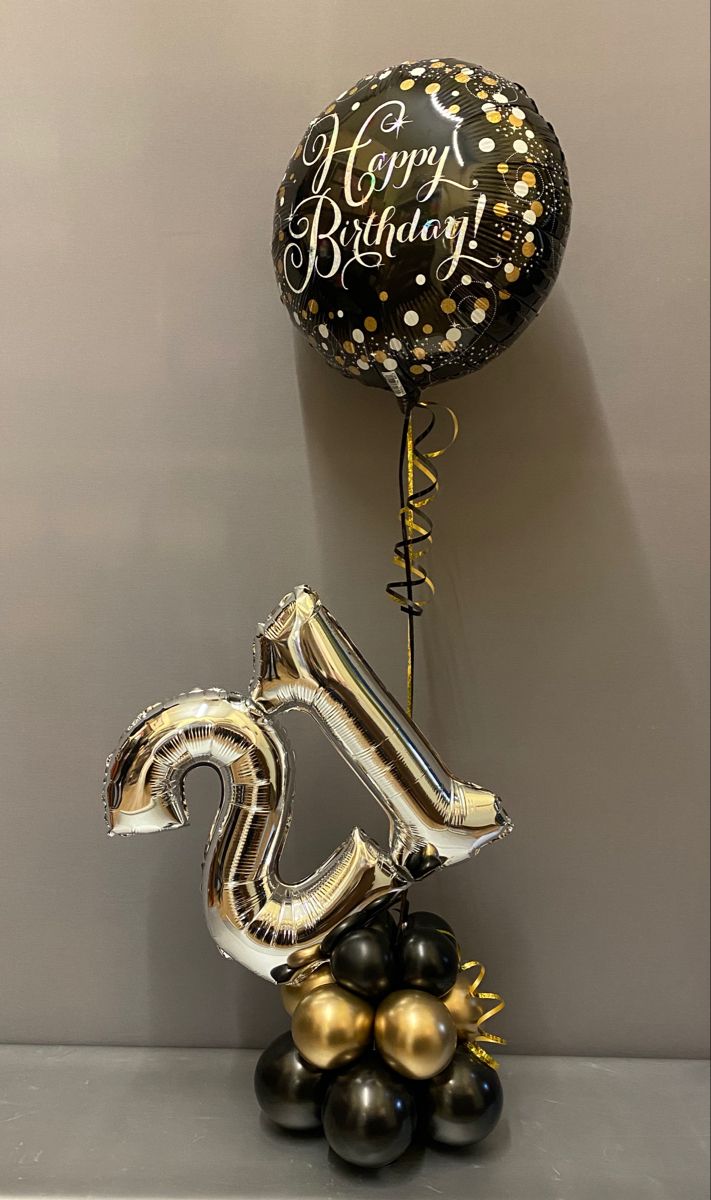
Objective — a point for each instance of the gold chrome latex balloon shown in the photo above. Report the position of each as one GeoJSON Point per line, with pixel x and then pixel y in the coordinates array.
{"type": "Point", "coordinates": [293, 993]}
{"type": "Point", "coordinates": [463, 1008]}
{"type": "Point", "coordinates": [415, 1034]}
{"type": "Point", "coordinates": [304, 659]}
{"type": "Point", "coordinates": [331, 1027]}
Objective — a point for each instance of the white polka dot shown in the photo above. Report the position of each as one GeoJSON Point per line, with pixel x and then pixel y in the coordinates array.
{"type": "Point", "coordinates": [466, 280]}
{"type": "Point", "coordinates": [500, 98]}
{"type": "Point", "coordinates": [411, 317]}
{"type": "Point", "coordinates": [426, 367]}
{"type": "Point", "coordinates": [364, 366]}
{"type": "Point", "coordinates": [455, 93]}
{"type": "Point", "coordinates": [339, 313]}
{"type": "Point", "coordinates": [530, 134]}
{"type": "Point", "coordinates": [454, 334]}
{"type": "Point", "coordinates": [520, 146]}
{"type": "Point", "coordinates": [509, 268]}
{"type": "Point", "coordinates": [390, 364]}
{"type": "Point", "coordinates": [355, 106]}
{"type": "Point", "coordinates": [358, 335]}
{"type": "Point", "coordinates": [528, 237]}
{"type": "Point", "coordinates": [530, 218]}
{"type": "Point", "coordinates": [420, 279]}
{"type": "Point", "coordinates": [385, 74]}
{"type": "Point", "coordinates": [521, 188]}
{"type": "Point", "coordinates": [518, 112]}
{"type": "Point", "coordinates": [488, 285]}
{"type": "Point", "coordinates": [395, 344]}
{"type": "Point", "coordinates": [417, 71]}
{"type": "Point", "coordinates": [487, 144]}
{"type": "Point", "coordinates": [323, 330]}
{"type": "Point", "coordinates": [324, 345]}
{"type": "Point", "coordinates": [488, 107]}
{"type": "Point", "coordinates": [473, 244]}
{"type": "Point", "coordinates": [478, 316]}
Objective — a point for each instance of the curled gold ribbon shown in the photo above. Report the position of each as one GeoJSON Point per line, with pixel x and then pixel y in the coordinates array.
{"type": "Point", "coordinates": [474, 1046]}
{"type": "Point", "coordinates": [412, 593]}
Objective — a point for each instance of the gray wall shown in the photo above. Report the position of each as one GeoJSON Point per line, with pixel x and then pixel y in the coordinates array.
{"type": "Point", "coordinates": [174, 462]}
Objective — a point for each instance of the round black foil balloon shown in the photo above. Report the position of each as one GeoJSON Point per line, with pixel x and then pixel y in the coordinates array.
{"type": "Point", "coordinates": [427, 958]}
{"type": "Point", "coordinates": [369, 1114]}
{"type": "Point", "coordinates": [464, 1101]}
{"type": "Point", "coordinates": [421, 223]}
{"type": "Point", "coordinates": [288, 1090]}
{"type": "Point", "coordinates": [363, 962]}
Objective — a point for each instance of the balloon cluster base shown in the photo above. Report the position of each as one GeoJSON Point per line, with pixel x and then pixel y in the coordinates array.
{"type": "Point", "coordinates": [385, 1048]}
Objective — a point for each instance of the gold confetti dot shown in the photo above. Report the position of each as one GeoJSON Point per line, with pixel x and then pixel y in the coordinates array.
{"type": "Point", "coordinates": [371, 324]}
{"type": "Point", "coordinates": [432, 89]}
{"type": "Point", "coordinates": [406, 85]}
{"type": "Point", "coordinates": [427, 329]}
{"type": "Point", "coordinates": [537, 208]}
{"type": "Point", "coordinates": [353, 370]}
{"type": "Point", "coordinates": [416, 370]}
{"type": "Point", "coordinates": [494, 117]}
{"type": "Point", "coordinates": [528, 249]}
{"type": "Point", "coordinates": [331, 316]}
{"type": "Point", "coordinates": [446, 345]}
{"type": "Point", "coordinates": [503, 168]}
{"type": "Point", "coordinates": [454, 108]}
{"type": "Point", "coordinates": [304, 312]}
{"type": "Point", "coordinates": [483, 95]}
{"type": "Point", "coordinates": [340, 360]}
{"type": "Point", "coordinates": [501, 208]}
{"type": "Point", "coordinates": [517, 122]}
{"type": "Point", "coordinates": [529, 178]}
{"type": "Point", "coordinates": [504, 295]}
{"type": "Point", "coordinates": [281, 235]}
{"type": "Point", "coordinates": [353, 91]}
{"type": "Point", "coordinates": [313, 307]}
{"type": "Point", "coordinates": [383, 296]}
{"type": "Point", "coordinates": [380, 356]}
{"type": "Point", "coordinates": [331, 108]}
{"type": "Point", "coordinates": [439, 63]}
{"type": "Point", "coordinates": [349, 347]}
{"type": "Point", "coordinates": [419, 352]}
{"type": "Point", "coordinates": [489, 79]}
{"type": "Point", "coordinates": [461, 78]}
{"type": "Point", "coordinates": [482, 303]}
{"type": "Point", "coordinates": [512, 272]}
{"type": "Point", "coordinates": [506, 235]}
{"type": "Point", "coordinates": [448, 306]}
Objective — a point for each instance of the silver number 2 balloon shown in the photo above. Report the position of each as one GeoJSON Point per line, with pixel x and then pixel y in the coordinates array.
{"type": "Point", "coordinates": [303, 659]}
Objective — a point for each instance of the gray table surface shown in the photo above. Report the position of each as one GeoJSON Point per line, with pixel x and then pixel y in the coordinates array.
{"type": "Point", "coordinates": [109, 1122]}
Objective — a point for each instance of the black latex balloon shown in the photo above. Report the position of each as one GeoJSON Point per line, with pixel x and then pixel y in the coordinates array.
{"type": "Point", "coordinates": [288, 1090]}
{"type": "Point", "coordinates": [427, 958]}
{"type": "Point", "coordinates": [464, 1102]}
{"type": "Point", "coordinates": [429, 920]}
{"type": "Point", "coordinates": [363, 962]}
{"type": "Point", "coordinates": [369, 1114]}
{"type": "Point", "coordinates": [385, 923]}
{"type": "Point", "coordinates": [421, 223]}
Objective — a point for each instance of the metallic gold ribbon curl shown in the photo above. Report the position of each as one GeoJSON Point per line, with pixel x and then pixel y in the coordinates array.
{"type": "Point", "coordinates": [493, 1039]}
{"type": "Point", "coordinates": [415, 523]}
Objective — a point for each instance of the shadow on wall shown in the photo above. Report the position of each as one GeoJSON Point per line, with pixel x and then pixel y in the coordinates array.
{"type": "Point", "coordinates": [528, 661]}
{"type": "Point", "coordinates": [528, 664]}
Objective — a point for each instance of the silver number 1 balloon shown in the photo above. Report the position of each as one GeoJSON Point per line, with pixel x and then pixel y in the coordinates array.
{"type": "Point", "coordinates": [303, 660]}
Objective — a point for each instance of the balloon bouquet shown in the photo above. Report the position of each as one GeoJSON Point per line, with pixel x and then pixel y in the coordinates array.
{"type": "Point", "coordinates": [419, 226]}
